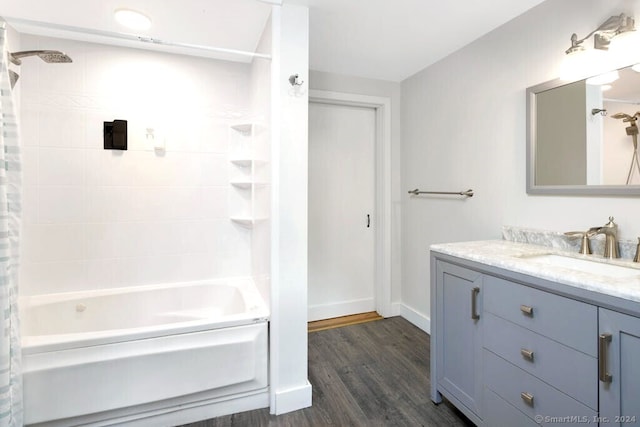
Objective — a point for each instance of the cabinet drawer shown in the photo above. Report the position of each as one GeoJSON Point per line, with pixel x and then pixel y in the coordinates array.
{"type": "Point", "coordinates": [570, 322]}
{"type": "Point", "coordinates": [509, 382]}
{"type": "Point", "coordinates": [549, 360]}
{"type": "Point", "coordinates": [499, 413]}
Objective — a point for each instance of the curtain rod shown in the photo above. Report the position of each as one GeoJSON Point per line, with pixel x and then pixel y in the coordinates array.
{"type": "Point", "coordinates": [59, 30]}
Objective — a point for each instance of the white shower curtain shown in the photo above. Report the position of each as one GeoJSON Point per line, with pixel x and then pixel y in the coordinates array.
{"type": "Point", "coordinates": [10, 212]}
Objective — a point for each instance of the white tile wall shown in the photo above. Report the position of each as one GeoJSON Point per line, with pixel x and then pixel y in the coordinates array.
{"type": "Point", "coordinates": [99, 218]}
{"type": "Point", "coordinates": [261, 106]}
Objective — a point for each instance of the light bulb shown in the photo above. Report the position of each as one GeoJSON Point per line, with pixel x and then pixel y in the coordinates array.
{"type": "Point", "coordinates": [132, 19]}
{"type": "Point", "coordinates": [583, 63]}
{"type": "Point", "coordinates": [625, 49]}
{"type": "Point", "coordinates": [604, 78]}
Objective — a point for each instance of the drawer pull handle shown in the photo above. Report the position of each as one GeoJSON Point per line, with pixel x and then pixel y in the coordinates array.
{"type": "Point", "coordinates": [527, 310]}
{"type": "Point", "coordinates": [527, 398]}
{"type": "Point", "coordinates": [603, 341]}
{"type": "Point", "coordinates": [474, 301]}
{"type": "Point", "coordinates": [527, 354]}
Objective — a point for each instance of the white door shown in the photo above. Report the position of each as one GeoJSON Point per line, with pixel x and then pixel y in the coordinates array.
{"type": "Point", "coordinates": [341, 210]}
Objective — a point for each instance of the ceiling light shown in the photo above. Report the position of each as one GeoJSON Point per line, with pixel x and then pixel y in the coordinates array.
{"type": "Point", "coordinates": [132, 19]}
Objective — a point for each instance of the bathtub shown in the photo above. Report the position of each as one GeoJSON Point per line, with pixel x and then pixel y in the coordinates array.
{"type": "Point", "coordinates": [147, 355]}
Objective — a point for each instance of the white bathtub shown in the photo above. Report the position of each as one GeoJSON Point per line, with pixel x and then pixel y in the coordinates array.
{"type": "Point", "coordinates": [149, 355]}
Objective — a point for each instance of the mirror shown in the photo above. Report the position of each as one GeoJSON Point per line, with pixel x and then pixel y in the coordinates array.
{"type": "Point", "coordinates": [582, 136]}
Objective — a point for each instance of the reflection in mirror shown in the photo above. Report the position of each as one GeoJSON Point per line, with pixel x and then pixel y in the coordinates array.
{"type": "Point", "coordinates": [583, 136]}
{"type": "Point", "coordinates": [620, 131]}
{"type": "Point", "coordinates": [561, 152]}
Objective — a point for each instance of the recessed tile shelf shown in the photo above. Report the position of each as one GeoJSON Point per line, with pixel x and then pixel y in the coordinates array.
{"type": "Point", "coordinates": [243, 185]}
{"type": "Point", "coordinates": [245, 128]}
{"type": "Point", "coordinates": [243, 163]}
{"type": "Point", "coordinates": [249, 202]}
{"type": "Point", "coordinates": [247, 222]}
{"type": "Point", "coordinates": [247, 163]}
{"type": "Point", "coordinates": [247, 185]}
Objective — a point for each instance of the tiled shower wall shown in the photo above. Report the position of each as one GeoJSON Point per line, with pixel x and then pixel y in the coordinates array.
{"type": "Point", "coordinates": [261, 106]}
{"type": "Point", "coordinates": [96, 218]}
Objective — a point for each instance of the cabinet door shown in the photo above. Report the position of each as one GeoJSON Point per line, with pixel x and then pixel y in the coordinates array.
{"type": "Point", "coordinates": [619, 370]}
{"type": "Point", "coordinates": [458, 336]}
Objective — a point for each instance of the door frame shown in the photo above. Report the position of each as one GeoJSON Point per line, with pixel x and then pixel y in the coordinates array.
{"type": "Point", "coordinates": [382, 185]}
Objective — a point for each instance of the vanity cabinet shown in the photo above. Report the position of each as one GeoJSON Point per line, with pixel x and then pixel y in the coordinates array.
{"type": "Point", "coordinates": [539, 351]}
{"type": "Point", "coordinates": [619, 342]}
{"type": "Point", "coordinates": [459, 339]}
{"type": "Point", "coordinates": [529, 355]}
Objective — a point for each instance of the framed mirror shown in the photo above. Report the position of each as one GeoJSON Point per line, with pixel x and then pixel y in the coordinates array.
{"type": "Point", "coordinates": [582, 136]}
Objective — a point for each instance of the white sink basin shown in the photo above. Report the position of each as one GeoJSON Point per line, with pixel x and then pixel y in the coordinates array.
{"type": "Point", "coordinates": [584, 265]}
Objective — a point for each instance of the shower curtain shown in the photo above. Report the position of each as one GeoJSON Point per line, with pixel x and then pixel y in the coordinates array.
{"type": "Point", "coordinates": [10, 209]}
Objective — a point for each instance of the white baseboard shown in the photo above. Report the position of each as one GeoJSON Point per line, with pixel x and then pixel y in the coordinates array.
{"type": "Point", "coordinates": [418, 319]}
{"type": "Point", "coordinates": [292, 399]}
{"type": "Point", "coordinates": [396, 309]}
{"type": "Point", "coordinates": [343, 308]}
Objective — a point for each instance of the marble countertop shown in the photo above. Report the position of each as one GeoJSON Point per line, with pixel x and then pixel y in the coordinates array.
{"type": "Point", "coordinates": [520, 258]}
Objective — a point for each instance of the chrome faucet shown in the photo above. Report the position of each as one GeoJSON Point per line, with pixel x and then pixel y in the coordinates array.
{"type": "Point", "coordinates": [610, 231]}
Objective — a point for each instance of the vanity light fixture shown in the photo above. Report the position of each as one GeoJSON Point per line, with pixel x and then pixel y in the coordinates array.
{"type": "Point", "coordinates": [617, 33]}
{"type": "Point", "coordinates": [132, 19]}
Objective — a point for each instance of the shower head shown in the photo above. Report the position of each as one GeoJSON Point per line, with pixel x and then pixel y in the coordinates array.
{"type": "Point", "coordinates": [48, 56]}
{"type": "Point", "coordinates": [626, 117]}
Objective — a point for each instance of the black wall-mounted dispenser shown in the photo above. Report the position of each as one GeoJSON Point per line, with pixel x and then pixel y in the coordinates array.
{"type": "Point", "coordinates": [115, 135]}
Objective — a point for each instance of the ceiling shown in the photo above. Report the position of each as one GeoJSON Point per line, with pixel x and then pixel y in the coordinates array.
{"type": "Point", "coordinates": [394, 39]}
{"type": "Point", "coordinates": [382, 39]}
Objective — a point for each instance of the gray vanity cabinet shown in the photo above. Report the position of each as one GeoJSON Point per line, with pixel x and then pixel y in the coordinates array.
{"type": "Point", "coordinates": [619, 374]}
{"type": "Point", "coordinates": [456, 366]}
{"type": "Point", "coordinates": [540, 352]}
{"type": "Point", "coordinates": [507, 349]}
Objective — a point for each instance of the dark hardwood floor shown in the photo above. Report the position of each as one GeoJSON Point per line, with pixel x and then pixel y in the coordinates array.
{"type": "Point", "coordinates": [371, 374]}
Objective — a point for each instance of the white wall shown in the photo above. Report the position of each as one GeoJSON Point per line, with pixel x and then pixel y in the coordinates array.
{"type": "Point", "coordinates": [290, 389]}
{"type": "Point", "coordinates": [463, 126]}
{"type": "Point", "coordinates": [97, 218]}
